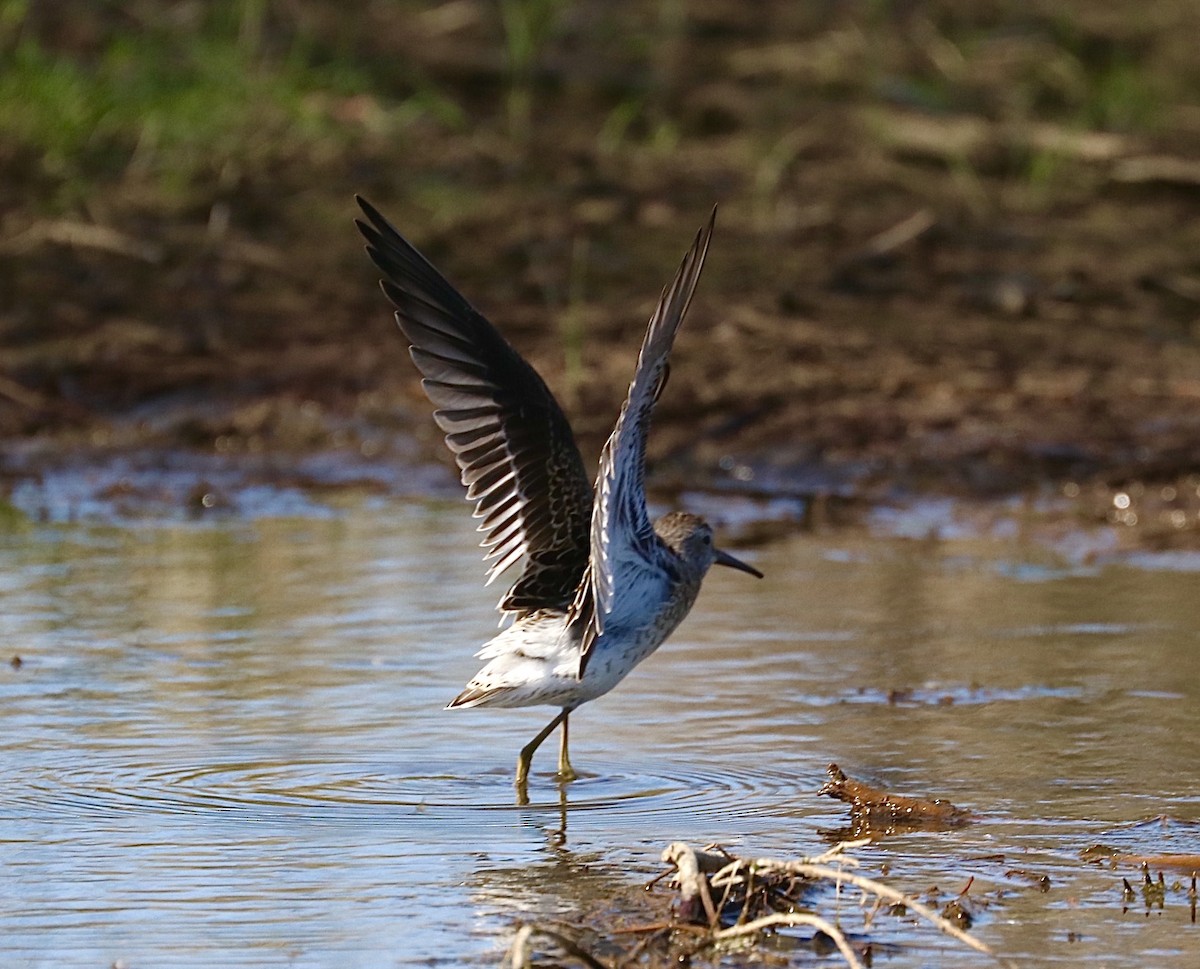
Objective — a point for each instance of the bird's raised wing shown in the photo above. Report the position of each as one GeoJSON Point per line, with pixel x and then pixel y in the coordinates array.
{"type": "Point", "coordinates": [518, 457]}
{"type": "Point", "coordinates": [620, 527]}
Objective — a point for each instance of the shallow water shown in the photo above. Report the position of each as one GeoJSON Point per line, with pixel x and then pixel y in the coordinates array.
{"type": "Point", "coordinates": [225, 743]}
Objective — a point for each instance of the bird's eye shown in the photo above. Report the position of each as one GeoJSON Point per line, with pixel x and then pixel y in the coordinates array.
{"type": "Point", "coordinates": [707, 539]}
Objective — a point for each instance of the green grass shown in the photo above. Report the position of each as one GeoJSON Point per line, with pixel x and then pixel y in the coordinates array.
{"type": "Point", "coordinates": [166, 104]}
{"type": "Point", "coordinates": [1122, 97]}
{"type": "Point", "coordinates": [528, 26]}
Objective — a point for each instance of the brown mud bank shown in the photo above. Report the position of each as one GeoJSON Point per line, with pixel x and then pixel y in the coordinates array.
{"type": "Point", "coordinates": [955, 256]}
{"type": "Point", "coordinates": [850, 403]}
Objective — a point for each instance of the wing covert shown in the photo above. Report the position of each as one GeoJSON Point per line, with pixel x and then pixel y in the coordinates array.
{"type": "Point", "coordinates": [620, 524]}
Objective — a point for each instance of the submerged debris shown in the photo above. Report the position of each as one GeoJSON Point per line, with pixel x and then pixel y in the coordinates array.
{"type": "Point", "coordinates": [875, 812]}
{"type": "Point", "coordinates": [726, 903]}
{"type": "Point", "coordinates": [1153, 890]}
{"type": "Point", "coordinates": [1188, 863]}
{"type": "Point", "coordinates": [1038, 879]}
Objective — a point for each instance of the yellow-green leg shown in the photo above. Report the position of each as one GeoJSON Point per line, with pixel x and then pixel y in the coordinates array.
{"type": "Point", "coordinates": [565, 771]}
{"type": "Point", "coordinates": [526, 755]}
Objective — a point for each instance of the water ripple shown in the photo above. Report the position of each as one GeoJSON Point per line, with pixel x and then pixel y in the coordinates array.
{"type": "Point", "coordinates": [348, 792]}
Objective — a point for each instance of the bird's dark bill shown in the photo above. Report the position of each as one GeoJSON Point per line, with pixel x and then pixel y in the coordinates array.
{"type": "Point", "coordinates": [724, 558]}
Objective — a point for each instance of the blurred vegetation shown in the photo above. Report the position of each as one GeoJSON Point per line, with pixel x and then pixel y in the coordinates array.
{"type": "Point", "coordinates": [176, 95]}
{"type": "Point", "coordinates": [176, 182]}
{"type": "Point", "coordinates": [187, 94]}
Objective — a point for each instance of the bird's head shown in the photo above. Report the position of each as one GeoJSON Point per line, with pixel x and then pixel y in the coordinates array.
{"type": "Point", "coordinates": [691, 538]}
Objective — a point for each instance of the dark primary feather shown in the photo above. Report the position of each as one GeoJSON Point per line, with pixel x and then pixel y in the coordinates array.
{"type": "Point", "coordinates": [620, 523]}
{"type": "Point", "coordinates": [513, 445]}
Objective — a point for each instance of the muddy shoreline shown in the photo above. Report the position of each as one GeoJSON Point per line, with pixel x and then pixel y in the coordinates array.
{"type": "Point", "coordinates": [932, 276]}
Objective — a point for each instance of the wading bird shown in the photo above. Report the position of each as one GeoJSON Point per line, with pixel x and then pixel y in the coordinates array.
{"type": "Point", "coordinates": [602, 586]}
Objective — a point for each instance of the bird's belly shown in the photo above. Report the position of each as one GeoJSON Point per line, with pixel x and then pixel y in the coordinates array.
{"type": "Point", "coordinates": [623, 646]}
{"type": "Point", "coordinates": [553, 679]}
{"type": "Point", "coordinates": [534, 663]}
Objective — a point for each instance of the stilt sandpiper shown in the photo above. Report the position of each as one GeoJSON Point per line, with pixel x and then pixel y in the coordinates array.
{"type": "Point", "coordinates": [602, 586]}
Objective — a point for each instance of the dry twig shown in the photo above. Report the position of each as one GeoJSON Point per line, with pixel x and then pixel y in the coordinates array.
{"type": "Point", "coordinates": [762, 874]}
{"type": "Point", "coordinates": [793, 918]}
{"type": "Point", "coordinates": [521, 951]}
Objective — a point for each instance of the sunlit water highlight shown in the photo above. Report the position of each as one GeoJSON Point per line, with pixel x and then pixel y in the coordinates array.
{"type": "Point", "coordinates": [224, 744]}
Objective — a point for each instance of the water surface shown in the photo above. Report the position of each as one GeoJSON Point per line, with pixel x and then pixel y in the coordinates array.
{"type": "Point", "coordinates": [224, 742]}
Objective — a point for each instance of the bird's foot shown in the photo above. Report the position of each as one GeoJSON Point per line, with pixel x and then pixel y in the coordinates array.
{"type": "Point", "coordinates": [521, 781]}
{"type": "Point", "coordinates": [565, 771]}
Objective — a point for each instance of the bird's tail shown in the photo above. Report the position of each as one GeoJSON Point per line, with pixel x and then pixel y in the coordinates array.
{"type": "Point", "coordinates": [479, 696]}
